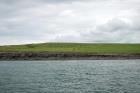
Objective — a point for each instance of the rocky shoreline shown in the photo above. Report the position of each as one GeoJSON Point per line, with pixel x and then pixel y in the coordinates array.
{"type": "Point", "coordinates": [64, 56]}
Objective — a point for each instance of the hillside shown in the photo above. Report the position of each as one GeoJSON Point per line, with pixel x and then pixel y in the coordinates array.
{"type": "Point", "coordinates": [57, 51]}
{"type": "Point", "coordinates": [75, 47]}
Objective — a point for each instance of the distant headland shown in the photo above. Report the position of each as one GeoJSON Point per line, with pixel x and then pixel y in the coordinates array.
{"type": "Point", "coordinates": [70, 51]}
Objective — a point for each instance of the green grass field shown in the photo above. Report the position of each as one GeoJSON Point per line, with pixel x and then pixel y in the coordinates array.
{"type": "Point", "coordinates": [75, 47]}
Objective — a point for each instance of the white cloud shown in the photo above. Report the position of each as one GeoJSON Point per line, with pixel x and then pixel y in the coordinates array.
{"type": "Point", "coordinates": [28, 21]}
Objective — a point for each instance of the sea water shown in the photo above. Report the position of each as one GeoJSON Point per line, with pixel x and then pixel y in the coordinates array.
{"type": "Point", "coordinates": [71, 76]}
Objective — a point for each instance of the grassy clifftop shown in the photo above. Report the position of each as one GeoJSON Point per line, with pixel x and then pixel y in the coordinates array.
{"type": "Point", "coordinates": [75, 47]}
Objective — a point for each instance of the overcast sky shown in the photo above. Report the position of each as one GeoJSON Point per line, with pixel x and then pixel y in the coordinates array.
{"type": "Point", "coordinates": [91, 21]}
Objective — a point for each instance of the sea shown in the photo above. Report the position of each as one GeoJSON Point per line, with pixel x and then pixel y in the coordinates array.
{"type": "Point", "coordinates": [70, 76]}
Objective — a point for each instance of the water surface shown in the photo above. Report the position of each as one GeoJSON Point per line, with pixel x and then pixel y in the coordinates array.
{"type": "Point", "coordinates": [75, 76]}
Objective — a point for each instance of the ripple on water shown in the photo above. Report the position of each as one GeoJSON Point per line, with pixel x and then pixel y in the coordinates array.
{"type": "Point", "coordinates": [81, 76]}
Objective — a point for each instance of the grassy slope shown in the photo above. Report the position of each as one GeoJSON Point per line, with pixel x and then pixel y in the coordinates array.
{"type": "Point", "coordinates": [75, 47]}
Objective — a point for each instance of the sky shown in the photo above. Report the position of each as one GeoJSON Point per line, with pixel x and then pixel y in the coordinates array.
{"type": "Point", "coordinates": [86, 21]}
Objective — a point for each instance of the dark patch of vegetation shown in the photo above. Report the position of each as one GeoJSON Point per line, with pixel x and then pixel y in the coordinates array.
{"type": "Point", "coordinates": [30, 46]}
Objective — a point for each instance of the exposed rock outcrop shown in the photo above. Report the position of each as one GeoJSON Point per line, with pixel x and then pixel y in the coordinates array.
{"type": "Point", "coordinates": [62, 56]}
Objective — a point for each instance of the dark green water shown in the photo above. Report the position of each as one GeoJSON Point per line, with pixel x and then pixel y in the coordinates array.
{"type": "Point", "coordinates": [87, 76]}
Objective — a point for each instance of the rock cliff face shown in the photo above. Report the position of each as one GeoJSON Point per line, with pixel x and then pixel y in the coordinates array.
{"type": "Point", "coordinates": [61, 56]}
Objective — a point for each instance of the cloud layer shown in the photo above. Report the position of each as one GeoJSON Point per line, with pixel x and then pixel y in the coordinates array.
{"type": "Point", "coordinates": [91, 21]}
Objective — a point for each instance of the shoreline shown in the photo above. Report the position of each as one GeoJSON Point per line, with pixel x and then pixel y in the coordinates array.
{"type": "Point", "coordinates": [64, 56]}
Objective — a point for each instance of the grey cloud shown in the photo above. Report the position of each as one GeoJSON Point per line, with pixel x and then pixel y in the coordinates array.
{"type": "Point", "coordinates": [114, 31]}
{"type": "Point", "coordinates": [114, 25]}
{"type": "Point", "coordinates": [63, 20]}
{"type": "Point", "coordinates": [117, 31]}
